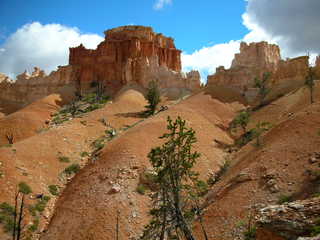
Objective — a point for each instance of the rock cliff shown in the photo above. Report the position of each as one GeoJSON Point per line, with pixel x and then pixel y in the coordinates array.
{"type": "Point", "coordinates": [29, 88]}
{"type": "Point", "coordinates": [257, 55]}
{"type": "Point", "coordinates": [290, 220]}
{"type": "Point", "coordinates": [128, 55]}
{"type": "Point", "coordinates": [256, 59]}
{"type": "Point", "coordinates": [131, 54]}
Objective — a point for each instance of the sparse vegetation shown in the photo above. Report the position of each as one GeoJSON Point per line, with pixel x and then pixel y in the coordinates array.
{"type": "Point", "coordinates": [53, 189]}
{"type": "Point", "coordinates": [98, 144]}
{"type": "Point", "coordinates": [13, 217]}
{"type": "Point", "coordinates": [153, 98]}
{"type": "Point", "coordinates": [316, 229]}
{"type": "Point", "coordinates": [84, 154]}
{"type": "Point", "coordinates": [64, 159]}
{"type": "Point", "coordinates": [41, 204]}
{"type": "Point", "coordinates": [284, 198]}
{"type": "Point", "coordinates": [72, 169]}
{"type": "Point", "coordinates": [77, 108]}
{"type": "Point", "coordinates": [10, 137]}
{"type": "Point", "coordinates": [310, 83]}
{"type": "Point", "coordinates": [24, 188]}
{"type": "Point", "coordinates": [223, 169]}
{"type": "Point", "coordinates": [260, 128]}
{"type": "Point", "coordinates": [242, 120]}
{"type": "Point", "coordinates": [175, 203]}
{"type": "Point", "coordinates": [261, 84]}
{"type": "Point", "coordinates": [250, 234]}
{"type": "Point", "coordinates": [245, 138]}
{"type": "Point", "coordinates": [6, 216]}
{"type": "Point", "coordinates": [141, 189]}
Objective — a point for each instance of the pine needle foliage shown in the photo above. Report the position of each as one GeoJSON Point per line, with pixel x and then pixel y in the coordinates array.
{"type": "Point", "coordinates": [153, 98]}
{"type": "Point", "coordinates": [175, 202]}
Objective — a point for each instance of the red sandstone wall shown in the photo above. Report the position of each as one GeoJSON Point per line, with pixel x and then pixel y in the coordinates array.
{"type": "Point", "coordinates": [123, 48]}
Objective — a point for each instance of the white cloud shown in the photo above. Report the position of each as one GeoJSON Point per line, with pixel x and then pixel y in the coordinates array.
{"type": "Point", "coordinates": [161, 3]}
{"type": "Point", "coordinates": [266, 20]}
{"type": "Point", "coordinates": [45, 46]}
{"type": "Point", "coordinates": [207, 59]}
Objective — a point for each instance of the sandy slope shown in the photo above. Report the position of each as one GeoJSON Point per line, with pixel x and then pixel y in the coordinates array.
{"type": "Point", "coordinates": [87, 208]}
{"type": "Point", "coordinates": [285, 154]}
{"type": "Point", "coordinates": [35, 159]}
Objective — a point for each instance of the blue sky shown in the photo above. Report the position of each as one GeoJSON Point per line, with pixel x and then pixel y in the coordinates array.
{"type": "Point", "coordinates": [191, 25]}
{"type": "Point", "coordinates": [209, 32]}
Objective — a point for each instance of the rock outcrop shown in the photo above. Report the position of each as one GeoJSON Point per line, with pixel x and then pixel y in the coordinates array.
{"type": "Point", "coordinates": [256, 59]}
{"type": "Point", "coordinates": [317, 67]}
{"type": "Point", "coordinates": [128, 55]}
{"type": "Point", "coordinates": [29, 88]}
{"type": "Point", "coordinates": [252, 61]}
{"type": "Point", "coordinates": [257, 55]}
{"type": "Point", "coordinates": [290, 220]}
{"type": "Point", "coordinates": [131, 55]}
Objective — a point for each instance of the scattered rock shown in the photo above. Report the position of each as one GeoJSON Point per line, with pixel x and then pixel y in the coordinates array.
{"type": "Point", "coordinates": [116, 188]}
{"type": "Point", "coordinates": [310, 238]}
{"type": "Point", "coordinates": [290, 220]}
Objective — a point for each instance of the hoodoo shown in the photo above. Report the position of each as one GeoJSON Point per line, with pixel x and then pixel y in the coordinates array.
{"type": "Point", "coordinates": [130, 54]}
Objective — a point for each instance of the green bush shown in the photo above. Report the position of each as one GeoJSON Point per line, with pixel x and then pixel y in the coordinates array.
{"type": "Point", "coordinates": [245, 138]}
{"type": "Point", "coordinates": [34, 225]}
{"type": "Point", "coordinates": [98, 144]}
{"type": "Point", "coordinates": [250, 234]}
{"type": "Point", "coordinates": [54, 190]}
{"type": "Point", "coordinates": [283, 198]}
{"type": "Point", "coordinates": [6, 216]}
{"type": "Point", "coordinates": [41, 204]}
{"type": "Point", "coordinates": [93, 107]}
{"type": "Point", "coordinates": [153, 98]}
{"type": "Point", "coordinates": [141, 189]}
{"type": "Point", "coordinates": [84, 154]}
{"type": "Point", "coordinates": [73, 168]}
{"type": "Point", "coordinates": [64, 159]}
{"type": "Point", "coordinates": [24, 188]}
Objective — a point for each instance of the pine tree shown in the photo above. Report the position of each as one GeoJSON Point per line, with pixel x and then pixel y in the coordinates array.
{"type": "Point", "coordinates": [262, 86]}
{"type": "Point", "coordinates": [175, 203]}
{"type": "Point", "coordinates": [153, 98]}
{"type": "Point", "coordinates": [310, 83]}
{"type": "Point", "coordinates": [242, 120]}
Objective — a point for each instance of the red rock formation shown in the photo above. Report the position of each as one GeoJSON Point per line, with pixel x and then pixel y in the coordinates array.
{"type": "Point", "coordinates": [129, 54]}
{"type": "Point", "coordinates": [29, 88]}
{"type": "Point", "coordinates": [257, 55]}
{"type": "Point", "coordinates": [317, 67]}
{"type": "Point", "coordinates": [253, 61]}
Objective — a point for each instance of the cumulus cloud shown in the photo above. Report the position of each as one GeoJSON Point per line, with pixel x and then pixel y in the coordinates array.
{"type": "Point", "coordinates": [45, 46]}
{"type": "Point", "coordinates": [292, 24]}
{"type": "Point", "coordinates": [161, 3]}
{"type": "Point", "coordinates": [207, 59]}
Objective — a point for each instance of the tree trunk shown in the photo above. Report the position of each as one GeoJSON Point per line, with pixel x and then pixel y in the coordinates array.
{"type": "Point", "coordinates": [20, 218]}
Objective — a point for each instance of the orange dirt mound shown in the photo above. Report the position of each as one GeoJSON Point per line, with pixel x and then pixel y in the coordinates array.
{"type": "Point", "coordinates": [88, 207]}
{"type": "Point", "coordinates": [29, 120]}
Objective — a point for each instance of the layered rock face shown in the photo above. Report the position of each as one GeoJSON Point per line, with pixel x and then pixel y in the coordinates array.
{"type": "Point", "coordinates": [29, 88]}
{"type": "Point", "coordinates": [253, 61]}
{"type": "Point", "coordinates": [288, 221]}
{"type": "Point", "coordinates": [257, 55]}
{"type": "Point", "coordinates": [317, 67]}
{"type": "Point", "coordinates": [128, 55]}
{"type": "Point", "coordinates": [131, 54]}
